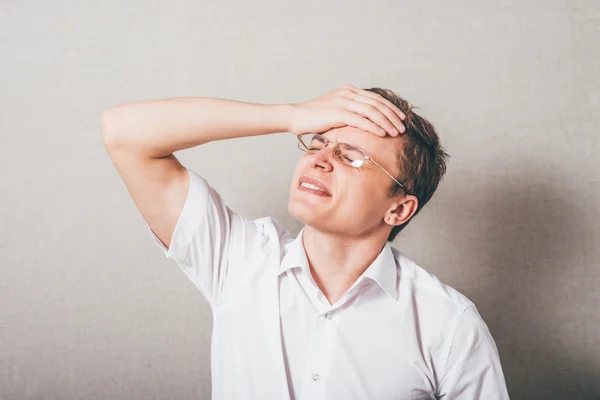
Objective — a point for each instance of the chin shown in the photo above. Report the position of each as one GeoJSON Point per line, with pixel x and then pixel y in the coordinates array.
{"type": "Point", "coordinates": [303, 212]}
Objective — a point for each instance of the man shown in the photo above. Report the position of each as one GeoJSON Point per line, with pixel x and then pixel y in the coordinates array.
{"type": "Point", "coordinates": [335, 313]}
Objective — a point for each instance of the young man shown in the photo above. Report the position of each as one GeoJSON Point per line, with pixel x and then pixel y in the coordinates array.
{"type": "Point", "coordinates": [335, 313]}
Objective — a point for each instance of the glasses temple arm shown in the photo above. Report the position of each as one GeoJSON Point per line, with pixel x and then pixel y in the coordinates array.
{"type": "Point", "coordinates": [390, 175]}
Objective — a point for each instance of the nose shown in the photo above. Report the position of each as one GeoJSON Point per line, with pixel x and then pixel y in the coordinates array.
{"type": "Point", "coordinates": [323, 158]}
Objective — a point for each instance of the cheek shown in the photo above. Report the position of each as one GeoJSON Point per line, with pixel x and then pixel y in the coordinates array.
{"type": "Point", "coordinates": [300, 166]}
{"type": "Point", "coordinates": [352, 191]}
{"type": "Point", "coordinates": [364, 192]}
{"type": "Point", "coordinates": [365, 182]}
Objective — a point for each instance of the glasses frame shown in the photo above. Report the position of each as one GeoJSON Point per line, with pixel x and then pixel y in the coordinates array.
{"type": "Point", "coordinates": [336, 152]}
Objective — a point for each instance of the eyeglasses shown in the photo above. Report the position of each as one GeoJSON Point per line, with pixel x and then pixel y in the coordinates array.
{"type": "Point", "coordinates": [343, 152]}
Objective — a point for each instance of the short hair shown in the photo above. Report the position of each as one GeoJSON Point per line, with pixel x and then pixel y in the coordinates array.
{"type": "Point", "coordinates": [422, 161]}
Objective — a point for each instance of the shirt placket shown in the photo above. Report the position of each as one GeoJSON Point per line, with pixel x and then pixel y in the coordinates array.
{"type": "Point", "coordinates": [322, 346]}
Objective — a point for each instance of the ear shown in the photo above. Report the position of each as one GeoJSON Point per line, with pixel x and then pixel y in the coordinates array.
{"type": "Point", "coordinates": [401, 211]}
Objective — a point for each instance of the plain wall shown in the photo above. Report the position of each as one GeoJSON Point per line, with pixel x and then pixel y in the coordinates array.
{"type": "Point", "coordinates": [90, 307]}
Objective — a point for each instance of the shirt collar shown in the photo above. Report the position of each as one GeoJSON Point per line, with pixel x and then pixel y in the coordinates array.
{"type": "Point", "coordinates": [382, 270]}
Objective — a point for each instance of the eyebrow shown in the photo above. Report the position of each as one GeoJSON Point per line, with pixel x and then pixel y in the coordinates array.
{"type": "Point", "coordinates": [351, 144]}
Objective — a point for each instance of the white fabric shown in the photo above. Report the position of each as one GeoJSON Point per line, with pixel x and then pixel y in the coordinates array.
{"type": "Point", "coordinates": [398, 333]}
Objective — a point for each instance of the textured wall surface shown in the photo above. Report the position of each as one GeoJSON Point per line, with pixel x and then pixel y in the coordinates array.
{"type": "Point", "coordinates": [89, 306]}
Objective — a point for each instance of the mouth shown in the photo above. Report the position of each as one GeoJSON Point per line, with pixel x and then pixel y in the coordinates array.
{"type": "Point", "coordinates": [313, 186]}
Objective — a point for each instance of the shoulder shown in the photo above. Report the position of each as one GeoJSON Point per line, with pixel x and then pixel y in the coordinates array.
{"type": "Point", "coordinates": [275, 235]}
{"type": "Point", "coordinates": [271, 239]}
{"type": "Point", "coordinates": [445, 318]}
{"type": "Point", "coordinates": [427, 290]}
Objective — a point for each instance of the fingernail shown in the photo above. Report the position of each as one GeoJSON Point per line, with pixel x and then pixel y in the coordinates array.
{"type": "Point", "coordinates": [395, 130]}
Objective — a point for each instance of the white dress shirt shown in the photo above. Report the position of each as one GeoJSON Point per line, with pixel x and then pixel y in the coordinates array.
{"type": "Point", "coordinates": [398, 333]}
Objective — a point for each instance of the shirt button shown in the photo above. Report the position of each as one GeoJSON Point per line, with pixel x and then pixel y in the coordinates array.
{"type": "Point", "coordinates": [328, 315]}
{"type": "Point", "coordinates": [316, 377]}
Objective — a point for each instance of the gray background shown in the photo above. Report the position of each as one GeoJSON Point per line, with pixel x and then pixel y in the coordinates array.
{"type": "Point", "coordinates": [89, 306]}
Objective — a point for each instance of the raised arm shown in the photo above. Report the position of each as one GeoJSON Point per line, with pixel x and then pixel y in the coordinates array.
{"type": "Point", "coordinates": [141, 138]}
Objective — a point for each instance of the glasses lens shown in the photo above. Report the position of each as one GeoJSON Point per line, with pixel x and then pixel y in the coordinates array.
{"type": "Point", "coordinates": [351, 155]}
{"type": "Point", "coordinates": [312, 142]}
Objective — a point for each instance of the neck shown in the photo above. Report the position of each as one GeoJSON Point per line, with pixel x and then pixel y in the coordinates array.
{"type": "Point", "coordinates": [337, 261]}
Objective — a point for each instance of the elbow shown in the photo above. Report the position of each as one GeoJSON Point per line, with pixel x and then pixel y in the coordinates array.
{"type": "Point", "coordinates": [108, 126]}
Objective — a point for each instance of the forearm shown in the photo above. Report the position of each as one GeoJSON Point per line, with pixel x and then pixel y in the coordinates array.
{"type": "Point", "coordinates": [161, 127]}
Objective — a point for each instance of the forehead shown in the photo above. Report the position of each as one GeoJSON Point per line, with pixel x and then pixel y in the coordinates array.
{"type": "Point", "coordinates": [382, 149]}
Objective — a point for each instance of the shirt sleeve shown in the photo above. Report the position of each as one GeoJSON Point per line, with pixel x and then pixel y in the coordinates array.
{"type": "Point", "coordinates": [473, 369]}
{"type": "Point", "coordinates": [211, 243]}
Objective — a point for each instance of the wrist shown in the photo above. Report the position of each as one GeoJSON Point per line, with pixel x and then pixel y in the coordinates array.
{"type": "Point", "coordinates": [285, 116]}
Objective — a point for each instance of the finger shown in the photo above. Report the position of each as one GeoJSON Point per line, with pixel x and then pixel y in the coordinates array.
{"type": "Point", "coordinates": [385, 110]}
{"type": "Point", "coordinates": [392, 112]}
{"type": "Point", "coordinates": [371, 112]}
{"type": "Point", "coordinates": [378, 97]}
{"type": "Point", "coordinates": [364, 124]}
